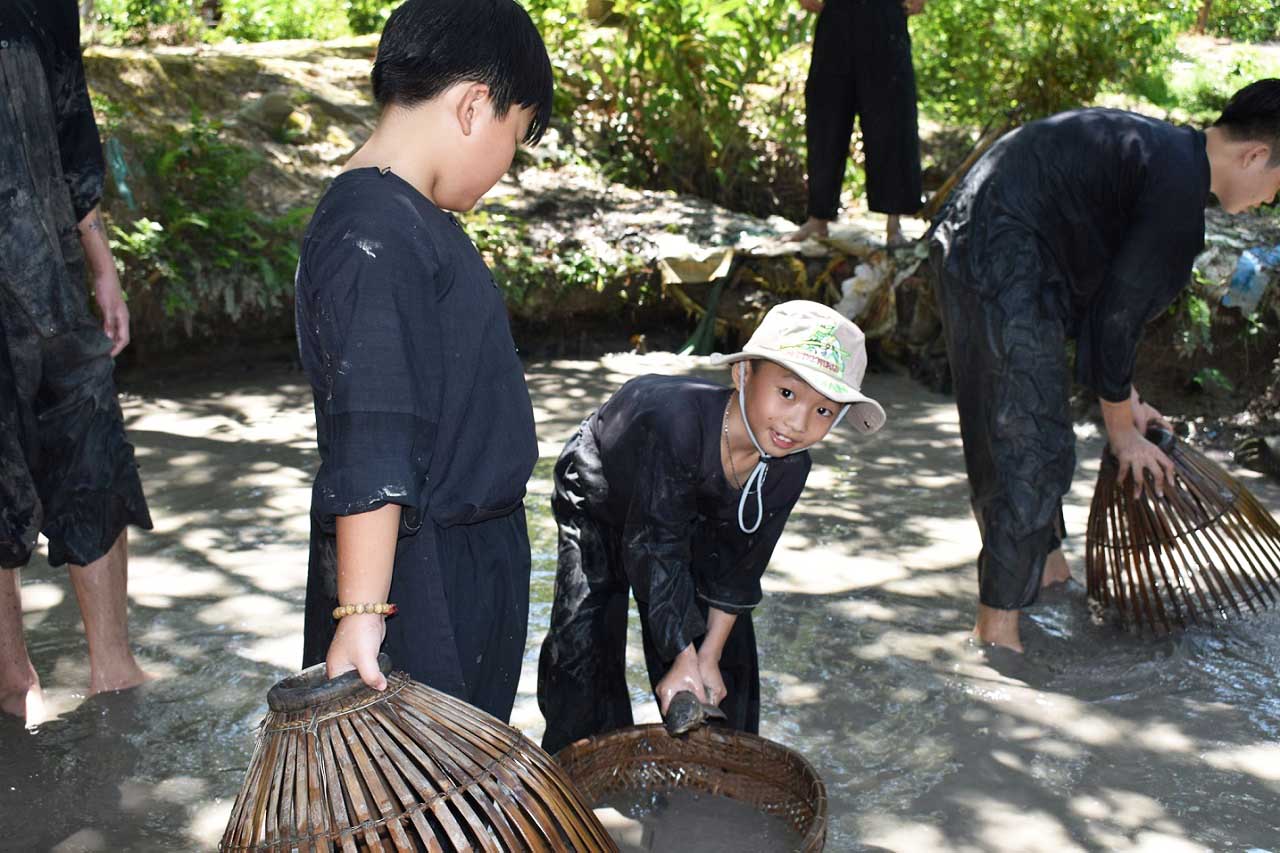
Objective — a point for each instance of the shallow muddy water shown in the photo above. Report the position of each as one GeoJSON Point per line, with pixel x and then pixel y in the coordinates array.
{"type": "Point", "coordinates": [693, 823]}
{"type": "Point", "coordinates": [1094, 740]}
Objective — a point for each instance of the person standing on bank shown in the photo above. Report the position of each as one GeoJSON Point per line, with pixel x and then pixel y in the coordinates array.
{"type": "Point", "coordinates": [1082, 226]}
{"type": "Point", "coordinates": [861, 68]}
{"type": "Point", "coordinates": [66, 468]}
{"type": "Point", "coordinates": [423, 416]}
{"type": "Point", "coordinates": [677, 489]}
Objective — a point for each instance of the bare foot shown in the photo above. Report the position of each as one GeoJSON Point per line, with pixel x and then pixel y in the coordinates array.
{"type": "Point", "coordinates": [130, 675]}
{"type": "Point", "coordinates": [998, 628]}
{"type": "Point", "coordinates": [24, 700]}
{"type": "Point", "coordinates": [1056, 570]}
{"type": "Point", "coordinates": [893, 236]}
{"type": "Point", "coordinates": [811, 228]}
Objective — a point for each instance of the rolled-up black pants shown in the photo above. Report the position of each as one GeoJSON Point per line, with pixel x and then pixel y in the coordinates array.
{"type": "Point", "coordinates": [66, 468]}
{"type": "Point", "coordinates": [861, 68]}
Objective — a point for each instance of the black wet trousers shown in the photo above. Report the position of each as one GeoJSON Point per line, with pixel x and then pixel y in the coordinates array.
{"type": "Point", "coordinates": [1007, 344]}
{"type": "Point", "coordinates": [463, 598]}
{"type": "Point", "coordinates": [66, 468]}
{"type": "Point", "coordinates": [582, 684]}
{"type": "Point", "coordinates": [861, 67]}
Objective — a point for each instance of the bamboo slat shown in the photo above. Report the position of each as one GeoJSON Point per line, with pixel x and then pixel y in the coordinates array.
{"type": "Point", "coordinates": [339, 765]}
{"type": "Point", "coordinates": [1204, 552]}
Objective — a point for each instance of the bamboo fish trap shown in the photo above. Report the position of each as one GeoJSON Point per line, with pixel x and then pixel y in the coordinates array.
{"type": "Point", "coordinates": [340, 766]}
{"type": "Point", "coordinates": [1206, 551]}
{"type": "Point", "coordinates": [711, 760]}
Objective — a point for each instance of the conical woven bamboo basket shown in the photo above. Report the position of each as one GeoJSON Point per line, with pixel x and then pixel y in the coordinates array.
{"type": "Point", "coordinates": [1205, 551]}
{"type": "Point", "coordinates": [711, 760]}
{"type": "Point", "coordinates": [340, 766]}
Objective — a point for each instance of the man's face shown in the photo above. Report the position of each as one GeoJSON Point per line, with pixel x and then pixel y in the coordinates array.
{"type": "Point", "coordinates": [1254, 180]}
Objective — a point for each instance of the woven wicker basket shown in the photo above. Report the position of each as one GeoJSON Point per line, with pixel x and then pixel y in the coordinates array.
{"type": "Point", "coordinates": [340, 766]}
{"type": "Point", "coordinates": [1205, 551]}
{"type": "Point", "coordinates": [710, 760]}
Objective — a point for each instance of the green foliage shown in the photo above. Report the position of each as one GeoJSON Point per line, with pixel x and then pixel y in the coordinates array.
{"type": "Point", "coordinates": [672, 96]}
{"type": "Point", "coordinates": [528, 270]}
{"type": "Point", "coordinates": [368, 16]}
{"type": "Point", "coordinates": [263, 20]}
{"type": "Point", "coordinates": [138, 21]}
{"type": "Point", "coordinates": [1202, 89]}
{"type": "Point", "coordinates": [199, 248]}
{"type": "Point", "coordinates": [134, 21]}
{"type": "Point", "coordinates": [1244, 20]}
{"type": "Point", "coordinates": [978, 60]}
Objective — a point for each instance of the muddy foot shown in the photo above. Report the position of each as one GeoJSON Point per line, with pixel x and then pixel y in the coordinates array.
{"type": "Point", "coordinates": [124, 679]}
{"type": "Point", "coordinates": [1056, 570]}
{"type": "Point", "coordinates": [813, 228]}
{"type": "Point", "coordinates": [997, 628]}
{"type": "Point", "coordinates": [26, 703]}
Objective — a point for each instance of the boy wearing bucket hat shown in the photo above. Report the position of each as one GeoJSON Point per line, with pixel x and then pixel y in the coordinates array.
{"type": "Point", "coordinates": [677, 489]}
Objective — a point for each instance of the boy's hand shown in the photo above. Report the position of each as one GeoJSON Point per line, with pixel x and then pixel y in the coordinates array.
{"type": "Point", "coordinates": [1146, 415]}
{"type": "Point", "coordinates": [712, 680]}
{"type": "Point", "coordinates": [814, 6]}
{"type": "Point", "coordinates": [115, 314]}
{"type": "Point", "coordinates": [683, 675]}
{"type": "Point", "coordinates": [913, 7]}
{"type": "Point", "coordinates": [355, 646]}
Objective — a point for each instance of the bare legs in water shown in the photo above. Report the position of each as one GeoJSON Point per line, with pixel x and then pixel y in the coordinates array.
{"type": "Point", "coordinates": [101, 590]}
{"type": "Point", "coordinates": [814, 227]}
{"type": "Point", "coordinates": [1000, 627]}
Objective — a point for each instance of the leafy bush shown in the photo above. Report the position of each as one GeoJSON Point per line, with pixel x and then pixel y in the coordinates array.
{"type": "Point", "coordinates": [978, 60]}
{"type": "Point", "coordinates": [670, 95]}
{"type": "Point", "coordinates": [1244, 20]}
{"type": "Point", "coordinates": [137, 21]}
{"type": "Point", "coordinates": [198, 249]}
{"type": "Point", "coordinates": [264, 20]}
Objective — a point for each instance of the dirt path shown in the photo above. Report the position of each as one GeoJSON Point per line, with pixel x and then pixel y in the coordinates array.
{"type": "Point", "coordinates": [1096, 740]}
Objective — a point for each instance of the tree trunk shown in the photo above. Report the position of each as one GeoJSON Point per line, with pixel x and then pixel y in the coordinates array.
{"type": "Point", "coordinates": [1202, 19]}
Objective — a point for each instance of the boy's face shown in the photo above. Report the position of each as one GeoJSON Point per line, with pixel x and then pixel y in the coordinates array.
{"type": "Point", "coordinates": [784, 411]}
{"type": "Point", "coordinates": [485, 152]}
{"type": "Point", "coordinates": [1252, 180]}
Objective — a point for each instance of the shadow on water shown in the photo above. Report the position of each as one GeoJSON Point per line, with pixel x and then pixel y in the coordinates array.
{"type": "Point", "coordinates": [1094, 740]}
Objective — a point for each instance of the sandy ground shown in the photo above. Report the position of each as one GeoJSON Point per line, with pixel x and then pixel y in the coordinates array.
{"type": "Point", "coordinates": [1096, 740]}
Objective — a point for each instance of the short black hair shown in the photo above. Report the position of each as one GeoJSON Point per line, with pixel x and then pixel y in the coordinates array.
{"type": "Point", "coordinates": [1253, 113]}
{"type": "Point", "coordinates": [429, 45]}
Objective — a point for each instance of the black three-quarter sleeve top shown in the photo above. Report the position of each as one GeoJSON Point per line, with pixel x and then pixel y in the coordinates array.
{"type": "Point", "coordinates": [419, 392]}
{"type": "Point", "coordinates": [1116, 203]}
{"type": "Point", "coordinates": [664, 495]}
{"type": "Point", "coordinates": [51, 165]}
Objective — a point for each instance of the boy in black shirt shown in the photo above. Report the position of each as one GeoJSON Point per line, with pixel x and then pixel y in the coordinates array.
{"type": "Point", "coordinates": [678, 489]}
{"type": "Point", "coordinates": [423, 417]}
{"type": "Point", "coordinates": [1080, 226]}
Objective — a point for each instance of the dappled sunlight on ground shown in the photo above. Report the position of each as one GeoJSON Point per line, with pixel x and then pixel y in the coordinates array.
{"type": "Point", "coordinates": [1096, 739]}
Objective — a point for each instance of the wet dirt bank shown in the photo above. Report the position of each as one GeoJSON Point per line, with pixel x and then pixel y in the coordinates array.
{"type": "Point", "coordinates": [1096, 740]}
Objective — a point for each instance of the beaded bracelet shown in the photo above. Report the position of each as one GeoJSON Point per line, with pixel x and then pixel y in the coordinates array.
{"type": "Point", "coordinates": [384, 609]}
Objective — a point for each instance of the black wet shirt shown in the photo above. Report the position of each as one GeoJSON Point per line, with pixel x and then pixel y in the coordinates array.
{"type": "Point", "coordinates": [1114, 202]}
{"type": "Point", "coordinates": [420, 396]}
{"type": "Point", "coordinates": [51, 166]}
{"type": "Point", "coordinates": [661, 488]}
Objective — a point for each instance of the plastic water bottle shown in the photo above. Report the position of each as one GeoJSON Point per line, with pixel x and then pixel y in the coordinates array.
{"type": "Point", "coordinates": [1252, 277]}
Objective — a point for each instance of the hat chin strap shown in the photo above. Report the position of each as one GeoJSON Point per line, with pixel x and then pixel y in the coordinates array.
{"type": "Point", "coordinates": [758, 474]}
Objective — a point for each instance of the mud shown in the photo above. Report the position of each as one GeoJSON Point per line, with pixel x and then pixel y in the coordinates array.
{"type": "Point", "coordinates": [1095, 740]}
{"type": "Point", "coordinates": [693, 823]}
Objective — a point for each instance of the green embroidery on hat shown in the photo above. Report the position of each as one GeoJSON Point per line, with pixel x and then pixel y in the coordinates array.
{"type": "Point", "coordinates": [821, 349]}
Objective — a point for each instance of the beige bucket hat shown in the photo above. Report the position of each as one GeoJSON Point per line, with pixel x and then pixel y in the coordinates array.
{"type": "Point", "coordinates": [822, 347]}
